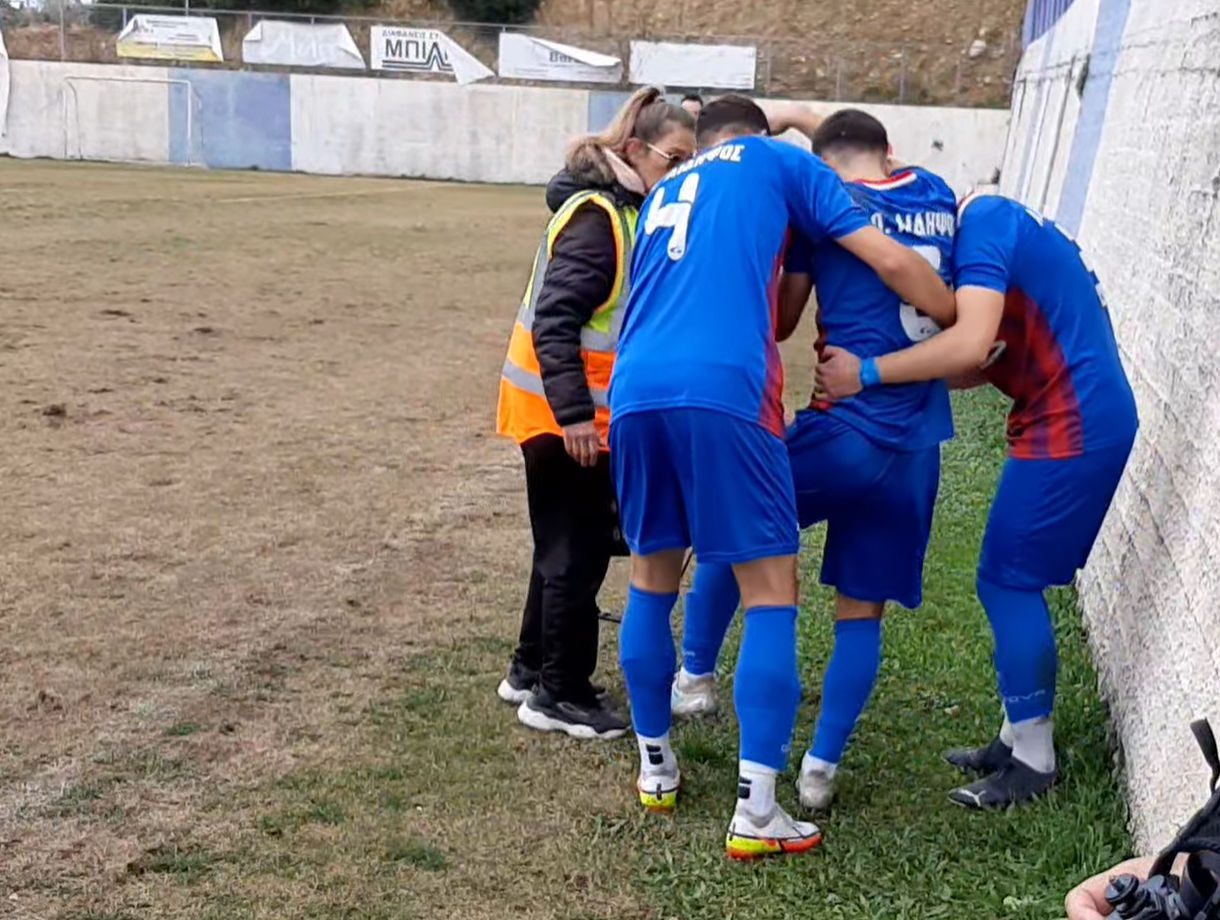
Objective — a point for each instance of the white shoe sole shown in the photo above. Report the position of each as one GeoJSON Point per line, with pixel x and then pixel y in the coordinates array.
{"type": "Point", "coordinates": [691, 708]}
{"type": "Point", "coordinates": [815, 800]}
{"type": "Point", "coordinates": [511, 694]}
{"type": "Point", "coordinates": [542, 722]}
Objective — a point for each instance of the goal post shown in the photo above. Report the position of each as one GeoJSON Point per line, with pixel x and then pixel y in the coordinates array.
{"type": "Point", "coordinates": [119, 119]}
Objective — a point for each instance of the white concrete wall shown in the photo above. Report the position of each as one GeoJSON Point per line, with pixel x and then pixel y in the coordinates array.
{"type": "Point", "coordinates": [87, 111]}
{"type": "Point", "coordinates": [432, 130]}
{"type": "Point", "coordinates": [1145, 156]}
{"type": "Point", "coordinates": [963, 146]}
{"type": "Point", "coordinates": [362, 125]}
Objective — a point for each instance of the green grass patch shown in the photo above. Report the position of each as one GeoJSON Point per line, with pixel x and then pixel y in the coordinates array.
{"type": "Point", "coordinates": [895, 847]}
{"type": "Point", "coordinates": [187, 864]}
{"type": "Point", "coordinates": [182, 729]}
{"type": "Point", "coordinates": [449, 798]}
{"type": "Point", "coordinates": [416, 853]}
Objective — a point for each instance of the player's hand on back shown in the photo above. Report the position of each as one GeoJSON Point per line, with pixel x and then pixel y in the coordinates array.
{"type": "Point", "coordinates": [582, 442]}
{"type": "Point", "coordinates": [837, 375]}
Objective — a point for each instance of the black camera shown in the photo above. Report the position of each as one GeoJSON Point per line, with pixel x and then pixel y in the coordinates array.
{"type": "Point", "coordinates": [1195, 894]}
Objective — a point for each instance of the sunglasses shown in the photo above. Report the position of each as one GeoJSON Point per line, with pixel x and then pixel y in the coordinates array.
{"type": "Point", "coordinates": [673, 159]}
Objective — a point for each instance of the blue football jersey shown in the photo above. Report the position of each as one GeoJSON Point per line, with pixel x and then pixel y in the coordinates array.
{"type": "Point", "coordinates": [856, 310]}
{"type": "Point", "coordinates": [699, 325]}
{"type": "Point", "coordinates": [1056, 357]}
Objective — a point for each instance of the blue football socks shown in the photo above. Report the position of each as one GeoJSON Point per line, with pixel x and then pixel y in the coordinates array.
{"type": "Point", "coordinates": [710, 605]}
{"type": "Point", "coordinates": [850, 677]}
{"type": "Point", "coordinates": [646, 653]}
{"type": "Point", "coordinates": [767, 688]}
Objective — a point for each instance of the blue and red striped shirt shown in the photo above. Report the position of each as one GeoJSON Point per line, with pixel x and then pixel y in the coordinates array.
{"type": "Point", "coordinates": [1056, 355]}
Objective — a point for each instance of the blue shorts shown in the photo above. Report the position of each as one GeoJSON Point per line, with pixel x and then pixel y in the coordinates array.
{"type": "Point", "coordinates": [1046, 516]}
{"type": "Point", "coordinates": [877, 503]}
{"type": "Point", "coordinates": [695, 477]}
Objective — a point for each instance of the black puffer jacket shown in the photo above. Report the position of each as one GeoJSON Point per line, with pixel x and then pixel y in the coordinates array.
{"type": "Point", "coordinates": [579, 279]}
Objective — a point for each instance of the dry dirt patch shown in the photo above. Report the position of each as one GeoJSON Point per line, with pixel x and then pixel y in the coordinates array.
{"type": "Point", "coordinates": [247, 477]}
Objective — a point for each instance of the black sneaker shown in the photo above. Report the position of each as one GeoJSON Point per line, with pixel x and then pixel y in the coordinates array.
{"type": "Point", "coordinates": [518, 684]}
{"type": "Point", "coordinates": [521, 681]}
{"type": "Point", "coordinates": [1013, 784]}
{"type": "Point", "coordinates": [983, 760]}
{"type": "Point", "coordinates": [587, 721]}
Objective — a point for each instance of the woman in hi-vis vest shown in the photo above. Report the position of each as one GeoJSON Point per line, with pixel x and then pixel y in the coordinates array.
{"type": "Point", "coordinates": [553, 402]}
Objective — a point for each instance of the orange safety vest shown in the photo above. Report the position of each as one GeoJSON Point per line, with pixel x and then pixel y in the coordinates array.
{"type": "Point", "coordinates": [523, 411]}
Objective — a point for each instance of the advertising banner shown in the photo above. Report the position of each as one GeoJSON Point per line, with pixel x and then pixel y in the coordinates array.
{"type": "Point", "coordinates": [172, 38]}
{"type": "Point", "coordinates": [696, 66]}
{"type": "Point", "coordinates": [423, 51]}
{"type": "Point", "coordinates": [523, 57]}
{"type": "Point", "coordinates": [301, 44]}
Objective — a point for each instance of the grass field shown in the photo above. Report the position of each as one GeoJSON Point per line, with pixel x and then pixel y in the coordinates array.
{"type": "Point", "coordinates": [260, 570]}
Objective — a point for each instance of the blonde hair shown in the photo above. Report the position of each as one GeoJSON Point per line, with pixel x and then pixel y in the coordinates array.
{"type": "Point", "coordinates": [646, 115]}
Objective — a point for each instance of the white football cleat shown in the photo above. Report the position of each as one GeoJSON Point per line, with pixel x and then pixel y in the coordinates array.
{"type": "Point", "coordinates": [815, 785]}
{"type": "Point", "coordinates": [659, 791]}
{"type": "Point", "coordinates": [693, 695]}
{"type": "Point", "coordinates": [776, 834]}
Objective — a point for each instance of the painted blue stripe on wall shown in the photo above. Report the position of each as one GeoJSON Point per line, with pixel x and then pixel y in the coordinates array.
{"type": "Point", "coordinates": [237, 120]}
{"type": "Point", "coordinates": [604, 105]}
{"type": "Point", "coordinates": [1107, 43]}
{"type": "Point", "coordinates": [1040, 15]}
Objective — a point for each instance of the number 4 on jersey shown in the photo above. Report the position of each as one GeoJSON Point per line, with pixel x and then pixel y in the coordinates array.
{"type": "Point", "coordinates": [675, 215]}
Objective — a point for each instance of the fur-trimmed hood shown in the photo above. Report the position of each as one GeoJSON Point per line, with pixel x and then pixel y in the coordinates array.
{"type": "Point", "coordinates": [588, 167]}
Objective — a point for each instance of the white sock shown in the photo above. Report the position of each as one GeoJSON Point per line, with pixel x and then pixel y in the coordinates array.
{"type": "Point", "coordinates": [809, 762]}
{"type": "Point", "coordinates": [1034, 743]}
{"type": "Point", "coordinates": [656, 756]}
{"type": "Point", "coordinates": [758, 784]}
{"type": "Point", "coordinates": [1006, 736]}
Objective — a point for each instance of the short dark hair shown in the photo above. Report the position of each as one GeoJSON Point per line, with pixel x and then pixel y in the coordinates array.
{"type": "Point", "coordinates": [693, 97]}
{"type": "Point", "coordinates": [733, 113]}
{"type": "Point", "coordinates": [851, 129]}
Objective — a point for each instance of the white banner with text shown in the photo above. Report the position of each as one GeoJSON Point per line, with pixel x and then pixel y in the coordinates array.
{"type": "Point", "coordinates": [301, 44]}
{"type": "Point", "coordinates": [523, 57]}
{"type": "Point", "coordinates": [423, 51]}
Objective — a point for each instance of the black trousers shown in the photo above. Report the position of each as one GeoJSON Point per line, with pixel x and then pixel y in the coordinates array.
{"type": "Point", "coordinates": [575, 523]}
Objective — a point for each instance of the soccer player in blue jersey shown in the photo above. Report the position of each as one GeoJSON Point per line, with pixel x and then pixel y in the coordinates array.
{"type": "Point", "coordinates": [697, 434]}
{"type": "Point", "coordinates": [1033, 322]}
{"type": "Point", "coordinates": [868, 466]}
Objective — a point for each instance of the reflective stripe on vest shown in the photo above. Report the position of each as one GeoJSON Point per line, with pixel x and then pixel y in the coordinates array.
{"type": "Point", "coordinates": [532, 383]}
{"type": "Point", "coordinates": [602, 331]}
{"type": "Point", "coordinates": [522, 416]}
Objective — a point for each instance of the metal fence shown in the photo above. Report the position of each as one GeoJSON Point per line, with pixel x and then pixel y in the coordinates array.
{"type": "Point", "coordinates": [846, 71]}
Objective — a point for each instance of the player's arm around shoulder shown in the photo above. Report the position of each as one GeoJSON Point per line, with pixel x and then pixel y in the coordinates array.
{"type": "Point", "coordinates": [904, 272]}
{"type": "Point", "coordinates": [957, 352]}
{"type": "Point", "coordinates": [792, 116]}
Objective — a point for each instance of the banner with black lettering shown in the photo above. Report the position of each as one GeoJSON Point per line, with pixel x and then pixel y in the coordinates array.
{"type": "Point", "coordinates": [524, 57]}
{"type": "Point", "coordinates": [423, 51]}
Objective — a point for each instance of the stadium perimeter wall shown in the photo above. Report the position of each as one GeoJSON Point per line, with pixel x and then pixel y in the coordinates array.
{"type": "Point", "coordinates": [367, 126]}
{"type": "Point", "coordinates": [1116, 135]}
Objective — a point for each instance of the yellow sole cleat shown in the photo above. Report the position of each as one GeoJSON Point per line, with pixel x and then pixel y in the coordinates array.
{"type": "Point", "coordinates": [778, 836]}
{"type": "Point", "coordinates": [658, 794]}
